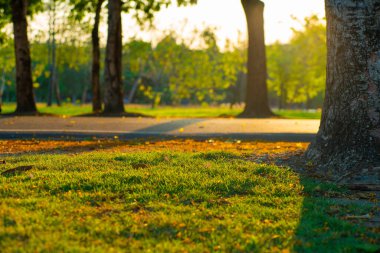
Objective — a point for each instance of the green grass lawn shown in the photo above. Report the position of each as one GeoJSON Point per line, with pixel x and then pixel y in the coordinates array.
{"type": "Point", "coordinates": [170, 201]}
{"type": "Point", "coordinates": [66, 109]}
{"type": "Point", "coordinates": [166, 111]}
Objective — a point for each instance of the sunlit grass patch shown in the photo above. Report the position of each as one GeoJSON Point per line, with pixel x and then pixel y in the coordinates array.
{"type": "Point", "coordinates": [165, 111]}
{"type": "Point", "coordinates": [161, 202]}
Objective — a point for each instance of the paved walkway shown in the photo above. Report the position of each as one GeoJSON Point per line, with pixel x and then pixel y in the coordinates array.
{"type": "Point", "coordinates": [127, 128]}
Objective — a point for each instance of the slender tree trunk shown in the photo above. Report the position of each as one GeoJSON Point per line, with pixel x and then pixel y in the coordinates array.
{"type": "Point", "coordinates": [54, 85]}
{"type": "Point", "coordinates": [308, 101]}
{"type": "Point", "coordinates": [95, 75]}
{"type": "Point", "coordinates": [153, 104]}
{"type": "Point", "coordinates": [256, 95]}
{"type": "Point", "coordinates": [73, 99]}
{"type": "Point", "coordinates": [133, 90]}
{"type": "Point", "coordinates": [282, 96]}
{"type": "Point", "coordinates": [84, 95]}
{"type": "Point", "coordinates": [347, 144]}
{"type": "Point", "coordinates": [56, 88]}
{"type": "Point", "coordinates": [2, 88]}
{"type": "Point", "coordinates": [51, 52]}
{"type": "Point", "coordinates": [53, 59]}
{"type": "Point", "coordinates": [132, 93]}
{"type": "Point", "coordinates": [113, 99]}
{"type": "Point", "coordinates": [155, 92]}
{"type": "Point", "coordinates": [50, 88]}
{"type": "Point", "coordinates": [24, 83]}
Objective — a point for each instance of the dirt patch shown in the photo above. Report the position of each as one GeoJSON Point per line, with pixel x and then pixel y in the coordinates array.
{"type": "Point", "coordinates": [257, 149]}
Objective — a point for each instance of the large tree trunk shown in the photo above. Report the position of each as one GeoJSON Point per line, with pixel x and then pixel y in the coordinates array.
{"type": "Point", "coordinates": [95, 75]}
{"type": "Point", "coordinates": [346, 147]}
{"type": "Point", "coordinates": [113, 99]}
{"type": "Point", "coordinates": [256, 94]}
{"type": "Point", "coordinates": [24, 83]}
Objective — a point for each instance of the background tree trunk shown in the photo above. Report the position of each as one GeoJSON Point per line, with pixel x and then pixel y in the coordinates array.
{"type": "Point", "coordinates": [50, 84]}
{"type": "Point", "coordinates": [24, 83]}
{"type": "Point", "coordinates": [134, 89]}
{"type": "Point", "coordinates": [56, 87]}
{"type": "Point", "coordinates": [95, 75]}
{"type": "Point", "coordinates": [113, 99]}
{"type": "Point", "coordinates": [349, 136]}
{"type": "Point", "coordinates": [84, 95]}
{"type": "Point", "coordinates": [53, 82]}
{"type": "Point", "coordinates": [283, 96]}
{"type": "Point", "coordinates": [2, 88]}
{"type": "Point", "coordinates": [256, 94]}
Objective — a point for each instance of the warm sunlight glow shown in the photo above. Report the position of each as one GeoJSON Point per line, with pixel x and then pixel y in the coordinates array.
{"type": "Point", "coordinates": [228, 17]}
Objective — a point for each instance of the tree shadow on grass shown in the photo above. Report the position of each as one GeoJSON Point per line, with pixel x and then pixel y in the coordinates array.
{"type": "Point", "coordinates": [169, 126]}
{"type": "Point", "coordinates": [114, 115]}
{"type": "Point", "coordinates": [34, 147]}
{"type": "Point", "coordinates": [328, 223]}
{"type": "Point", "coordinates": [240, 116]}
{"type": "Point", "coordinates": [33, 114]}
{"type": "Point", "coordinates": [65, 143]}
{"type": "Point", "coordinates": [332, 218]}
{"type": "Point", "coordinates": [96, 114]}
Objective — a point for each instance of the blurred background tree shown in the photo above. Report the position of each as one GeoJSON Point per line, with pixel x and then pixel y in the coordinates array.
{"type": "Point", "coordinates": [16, 12]}
{"type": "Point", "coordinates": [297, 70]}
{"type": "Point", "coordinates": [171, 70]}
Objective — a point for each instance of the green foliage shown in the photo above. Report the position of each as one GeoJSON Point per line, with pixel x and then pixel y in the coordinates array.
{"type": "Point", "coordinates": [80, 8]}
{"type": "Point", "coordinates": [297, 71]}
{"type": "Point", "coordinates": [73, 55]}
{"type": "Point", "coordinates": [34, 6]}
{"type": "Point", "coordinates": [3, 23]}
{"type": "Point", "coordinates": [137, 54]}
{"type": "Point", "coordinates": [177, 73]}
{"type": "Point", "coordinates": [5, 15]}
{"type": "Point", "coordinates": [310, 53]}
{"type": "Point", "coordinates": [144, 10]}
{"type": "Point", "coordinates": [7, 65]}
{"type": "Point", "coordinates": [280, 59]}
{"type": "Point", "coordinates": [7, 62]}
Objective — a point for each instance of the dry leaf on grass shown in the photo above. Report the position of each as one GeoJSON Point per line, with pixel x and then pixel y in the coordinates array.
{"type": "Point", "coordinates": [16, 170]}
{"type": "Point", "coordinates": [140, 166]}
{"type": "Point", "coordinates": [358, 217]}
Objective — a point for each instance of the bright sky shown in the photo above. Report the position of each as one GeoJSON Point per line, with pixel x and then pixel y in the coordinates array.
{"type": "Point", "coordinates": [228, 16]}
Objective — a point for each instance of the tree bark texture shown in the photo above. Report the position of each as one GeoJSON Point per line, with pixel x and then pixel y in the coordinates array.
{"type": "Point", "coordinates": [24, 83]}
{"type": "Point", "coordinates": [256, 94]}
{"type": "Point", "coordinates": [349, 135]}
{"type": "Point", "coordinates": [113, 99]}
{"type": "Point", "coordinates": [95, 75]}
